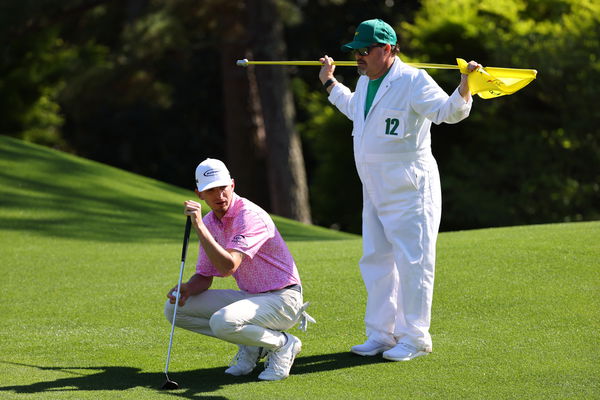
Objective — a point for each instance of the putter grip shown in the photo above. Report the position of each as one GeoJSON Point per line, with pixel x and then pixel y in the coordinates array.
{"type": "Point", "coordinates": [186, 237]}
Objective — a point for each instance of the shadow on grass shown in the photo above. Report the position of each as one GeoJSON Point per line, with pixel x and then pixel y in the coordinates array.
{"type": "Point", "coordinates": [194, 384]}
{"type": "Point", "coordinates": [60, 196]}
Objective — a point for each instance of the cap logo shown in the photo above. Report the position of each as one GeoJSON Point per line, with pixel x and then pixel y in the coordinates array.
{"type": "Point", "coordinates": [211, 172]}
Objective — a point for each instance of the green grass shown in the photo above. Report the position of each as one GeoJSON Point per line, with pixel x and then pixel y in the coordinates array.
{"type": "Point", "coordinates": [87, 253]}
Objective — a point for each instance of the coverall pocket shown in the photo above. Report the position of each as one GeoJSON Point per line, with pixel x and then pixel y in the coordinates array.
{"type": "Point", "coordinates": [414, 176]}
{"type": "Point", "coordinates": [400, 177]}
{"type": "Point", "coordinates": [391, 124]}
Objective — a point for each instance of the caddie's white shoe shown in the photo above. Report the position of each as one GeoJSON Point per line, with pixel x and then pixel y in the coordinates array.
{"type": "Point", "coordinates": [245, 360]}
{"type": "Point", "coordinates": [370, 348]}
{"type": "Point", "coordinates": [405, 352]}
{"type": "Point", "coordinates": [279, 362]}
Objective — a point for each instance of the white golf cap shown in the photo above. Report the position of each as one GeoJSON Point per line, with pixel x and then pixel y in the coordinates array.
{"type": "Point", "coordinates": [212, 173]}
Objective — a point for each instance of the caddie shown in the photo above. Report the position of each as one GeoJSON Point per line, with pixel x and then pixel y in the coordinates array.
{"type": "Point", "coordinates": [392, 109]}
{"type": "Point", "coordinates": [238, 238]}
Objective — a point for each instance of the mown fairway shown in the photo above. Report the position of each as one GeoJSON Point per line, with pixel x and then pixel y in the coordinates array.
{"type": "Point", "coordinates": [87, 253]}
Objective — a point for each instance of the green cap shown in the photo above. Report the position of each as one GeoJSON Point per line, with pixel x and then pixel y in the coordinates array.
{"type": "Point", "coordinates": [369, 32]}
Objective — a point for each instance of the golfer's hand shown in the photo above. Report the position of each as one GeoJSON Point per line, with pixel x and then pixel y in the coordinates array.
{"type": "Point", "coordinates": [194, 211]}
{"type": "Point", "coordinates": [183, 294]}
{"type": "Point", "coordinates": [327, 69]}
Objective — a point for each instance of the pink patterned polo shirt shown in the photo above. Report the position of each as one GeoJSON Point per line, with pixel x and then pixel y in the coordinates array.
{"type": "Point", "coordinates": [247, 228]}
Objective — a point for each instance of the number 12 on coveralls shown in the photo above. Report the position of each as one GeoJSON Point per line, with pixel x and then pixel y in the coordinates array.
{"type": "Point", "coordinates": [391, 124]}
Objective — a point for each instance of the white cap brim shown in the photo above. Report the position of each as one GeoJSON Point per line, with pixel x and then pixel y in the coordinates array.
{"type": "Point", "coordinates": [210, 185]}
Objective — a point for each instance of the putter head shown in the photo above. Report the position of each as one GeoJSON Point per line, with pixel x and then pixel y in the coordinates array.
{"type": "Point", "coordinates": [242, 63]}
{"type": "Point", "coordinates": [170, 385]}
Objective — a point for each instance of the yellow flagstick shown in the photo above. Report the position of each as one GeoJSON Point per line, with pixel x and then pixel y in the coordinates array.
{"type": "Point", "coordinates": [487, 83]}
{"type": "Point", "coordinates": [245, 63]}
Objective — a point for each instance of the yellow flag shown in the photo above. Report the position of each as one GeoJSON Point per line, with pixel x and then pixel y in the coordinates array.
{"type": "Point", "coordinates": [490, 82]}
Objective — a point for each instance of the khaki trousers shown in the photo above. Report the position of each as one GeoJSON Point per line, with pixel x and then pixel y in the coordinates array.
{"type": "Point", "coordinates": [239, 317]}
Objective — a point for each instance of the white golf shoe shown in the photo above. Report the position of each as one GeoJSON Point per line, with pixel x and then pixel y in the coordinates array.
{"type": "Point", "coordinates": [405, 352]}
{"type": "Point", "coordinates": [245, 360]}
{"type": "Point", "coordinates": [279, 362]}
{"type": "Point", "coordinates": [370, 348]}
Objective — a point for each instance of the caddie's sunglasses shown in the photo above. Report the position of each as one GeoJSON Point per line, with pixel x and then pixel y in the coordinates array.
{"type": "Point", "coordinates": [364, 51]}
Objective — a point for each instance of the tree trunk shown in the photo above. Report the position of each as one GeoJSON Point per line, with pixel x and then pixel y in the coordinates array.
{"type": "Point", "coordinates": [286, 172]}
{"type": "Point", "coordinates": [244, 127]}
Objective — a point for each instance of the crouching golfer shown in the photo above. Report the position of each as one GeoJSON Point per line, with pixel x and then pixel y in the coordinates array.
{"type": "Point", "coordinates": [239, 238]}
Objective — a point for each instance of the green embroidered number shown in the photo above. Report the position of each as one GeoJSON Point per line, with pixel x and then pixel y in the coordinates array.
{"type": "Point", "coordinates": [391, 124]}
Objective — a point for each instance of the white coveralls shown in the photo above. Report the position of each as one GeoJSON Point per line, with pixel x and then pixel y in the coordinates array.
{"type": "Point", "coordinates": [401, 197]}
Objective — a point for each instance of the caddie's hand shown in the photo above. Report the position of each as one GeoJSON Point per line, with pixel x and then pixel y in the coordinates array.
{"type": "Point", "coordinates": [194, 210]}
{"type": "Point", "coordinates": [463, 88]}
{"type": "Point", "coordinates": [327, 69]}
{"type": "Point", "coordinates": [472, 66]}
{"type": "Point", "coordinates": [183, 294]}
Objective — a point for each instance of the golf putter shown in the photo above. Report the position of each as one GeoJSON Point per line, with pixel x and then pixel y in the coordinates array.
{"type": "Point", "coordinates": [169, 384]}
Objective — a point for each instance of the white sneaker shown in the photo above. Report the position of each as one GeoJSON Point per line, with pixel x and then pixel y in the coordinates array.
{"type": "Point", "coordinates": [370, 348]}
{"type": "Point", "coordinates": [245, 360]}
{"type": "Point", "coordinates": [405, 352]}
{"type": "Point", "coordinates": [279, 362]}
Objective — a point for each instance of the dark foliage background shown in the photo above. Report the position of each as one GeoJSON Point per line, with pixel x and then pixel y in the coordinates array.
{"type": "Point", "coordinates": [139, 84]}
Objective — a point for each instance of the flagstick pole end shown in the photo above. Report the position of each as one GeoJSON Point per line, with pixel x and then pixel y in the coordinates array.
{"type": "Point", "coordinates": [242, 63]}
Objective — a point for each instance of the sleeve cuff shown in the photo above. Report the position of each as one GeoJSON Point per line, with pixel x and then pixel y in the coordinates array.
{"type": "Point", "coordinates": [457, 100]}
{"type": "Point", "coordinates": [336, 92]}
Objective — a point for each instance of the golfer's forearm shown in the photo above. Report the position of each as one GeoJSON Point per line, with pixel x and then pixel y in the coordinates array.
{"type": "Point", "coordinates": [198, 284]}
{"type": "Point", "coordinates": [220, 258]}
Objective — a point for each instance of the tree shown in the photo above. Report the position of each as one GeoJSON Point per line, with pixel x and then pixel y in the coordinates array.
{"type": "Point", "coordinates": [152, 87]}
{"type": "Point", "coordinates": [139, 85]}
{"type": "Point", "coordinates": [33, 64]}
{"type": "Point", "coordinates": [243, 122]}
{"type": "Point", "coordinates": [287, 177]}
{"type": "Point", "coordinates": [524, 158]}
{"type": "Point", "coordinates": [517, 159]}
